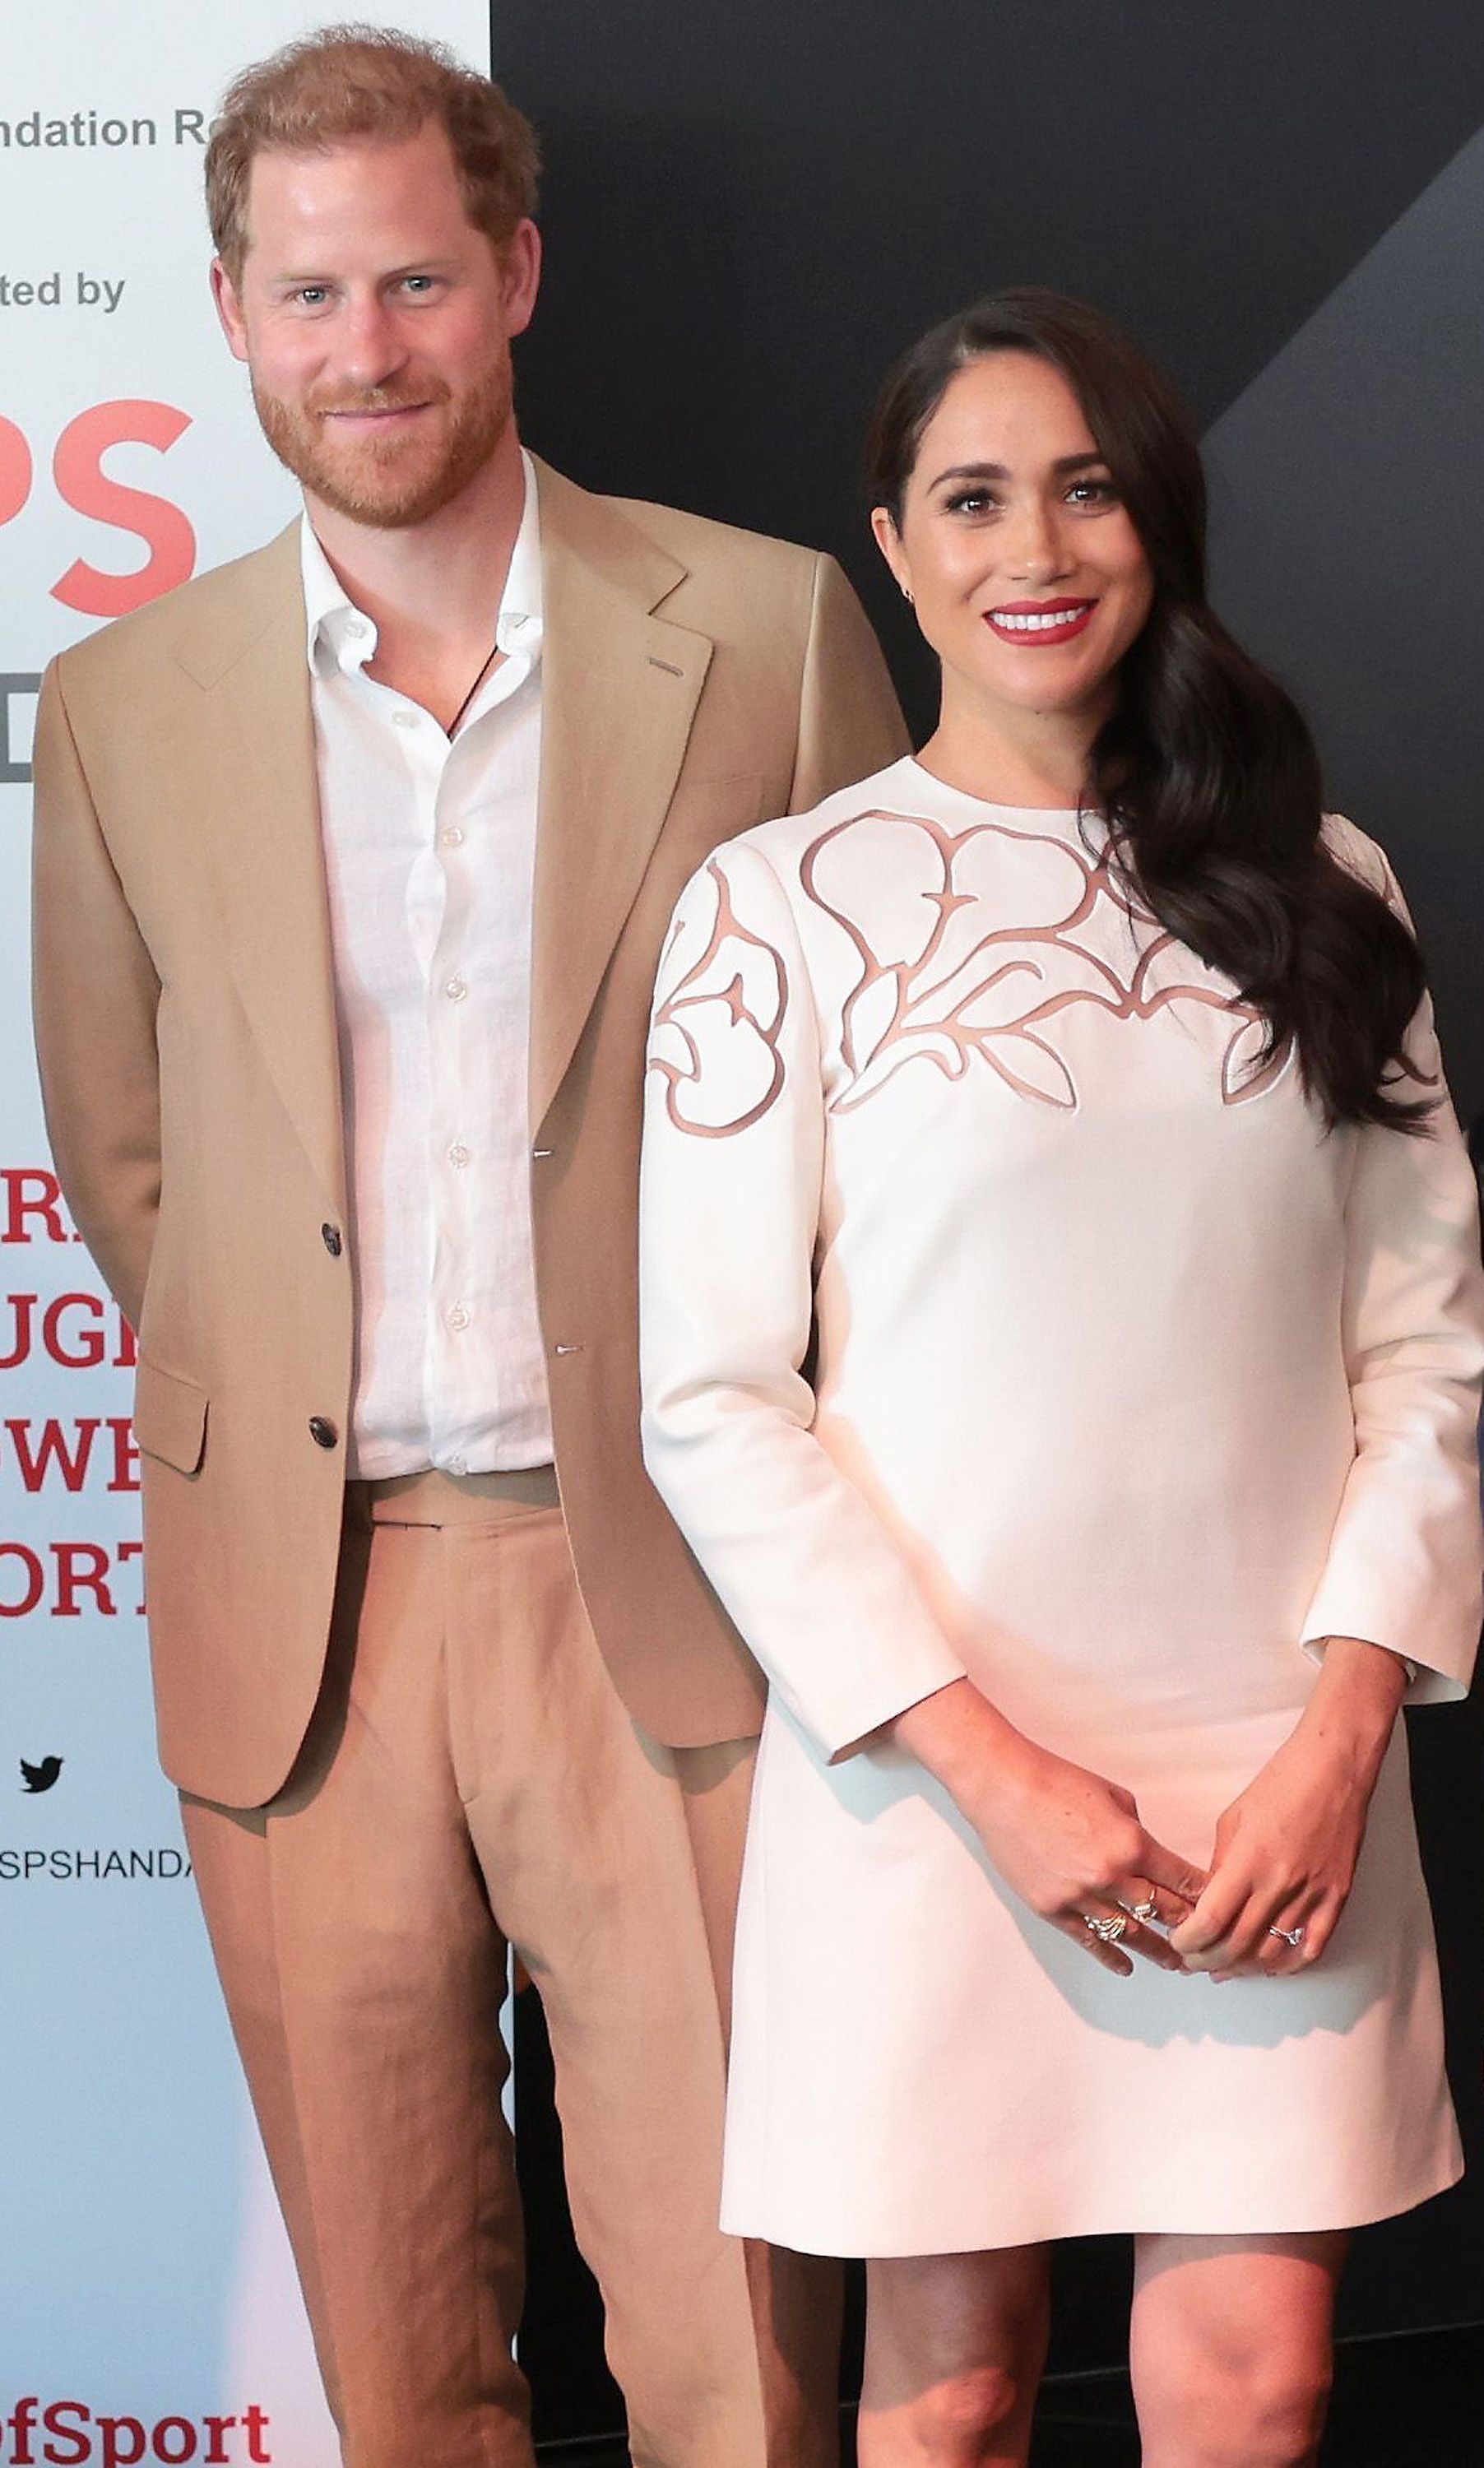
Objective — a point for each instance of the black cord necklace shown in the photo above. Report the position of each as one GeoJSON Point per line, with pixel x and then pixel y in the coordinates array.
{"type": "Point", "coordinates": [488, 662]}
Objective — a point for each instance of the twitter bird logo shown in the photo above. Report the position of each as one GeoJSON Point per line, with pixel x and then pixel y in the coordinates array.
{"type": "Point", "coordinates": [42, 1776]}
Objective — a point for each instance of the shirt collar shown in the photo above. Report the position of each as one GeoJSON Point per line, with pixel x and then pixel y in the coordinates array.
{"type": "Point", "coordinates": [338, 635]}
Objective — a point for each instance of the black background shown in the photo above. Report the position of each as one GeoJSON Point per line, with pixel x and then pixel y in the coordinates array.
{"type": "Point", "coordinates": [748, 211]}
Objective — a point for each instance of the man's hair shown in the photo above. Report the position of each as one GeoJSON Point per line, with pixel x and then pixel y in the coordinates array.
{"type": "Point", "coordinates": [369, 81]}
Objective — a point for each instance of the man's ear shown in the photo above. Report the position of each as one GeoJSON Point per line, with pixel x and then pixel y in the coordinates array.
{"type": "Point", "coordinates": [520, 275]}
{"type": "Point", "coordinates": [229, 309]}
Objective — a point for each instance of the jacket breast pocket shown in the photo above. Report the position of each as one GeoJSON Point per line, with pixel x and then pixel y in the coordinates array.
{"type": "Point", "coordinates": [708, 810]}
{"type": "Point", "coordinates": [169, 1417]}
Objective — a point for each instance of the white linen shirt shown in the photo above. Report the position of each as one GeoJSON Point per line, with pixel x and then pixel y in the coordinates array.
{"type": "Point", "coordinates": [429, 856]}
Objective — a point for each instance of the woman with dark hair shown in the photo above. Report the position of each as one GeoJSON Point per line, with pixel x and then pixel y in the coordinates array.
{"type": "Point", "coordinates": [1071, 1090]}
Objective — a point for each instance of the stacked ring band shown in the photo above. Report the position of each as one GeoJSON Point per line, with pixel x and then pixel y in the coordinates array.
{"type": "Point", "coordinates": [1110, 1926]}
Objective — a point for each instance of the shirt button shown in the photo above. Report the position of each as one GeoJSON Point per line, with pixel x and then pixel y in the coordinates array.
{"type": "Point", "coordinates": [458, 1317]}
{"type": "Point", "coordinates": [323, 1432]}
{"type": "Point", "coordinates": [405, 719]}
{"type": "Point", "coordinates": [458, 1464]}
{"type": "Point", "coordinates": [452, 837]}
{"type": "Point", "coordinates": [358, 628]}
{"type": "Point", "coordinates": [458, 1154]}
{"type": "Point", "coordinates": [455, 989]}
{"type": "Point", "coordinates": [330, 1236]}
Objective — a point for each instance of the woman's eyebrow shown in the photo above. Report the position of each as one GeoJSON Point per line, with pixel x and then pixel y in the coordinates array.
{"type": "Point", "coordinates": [1063, 466]}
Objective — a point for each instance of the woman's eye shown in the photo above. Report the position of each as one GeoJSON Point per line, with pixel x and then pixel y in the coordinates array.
{"type": "Point", "coordinates": [1093, 493]}
{"type": "Point", "coordinates": [971, 501]}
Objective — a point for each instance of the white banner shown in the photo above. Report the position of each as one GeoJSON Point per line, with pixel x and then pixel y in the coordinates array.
{"type": "Point", "coordinates": [147, 2306]}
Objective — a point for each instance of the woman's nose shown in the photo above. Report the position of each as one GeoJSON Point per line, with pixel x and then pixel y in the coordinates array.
{"type": "Point", "coordinates": [1032, 545]}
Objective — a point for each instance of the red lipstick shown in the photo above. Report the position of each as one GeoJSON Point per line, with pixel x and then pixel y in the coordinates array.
{"type": "Point", "coordinates": [1039, 622]}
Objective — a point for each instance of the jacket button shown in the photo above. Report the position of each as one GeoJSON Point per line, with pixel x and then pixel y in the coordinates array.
{"type": "Point", "coordinates": [323, 1433]}
{"type": "Point", "coordinates": [331, 1237]}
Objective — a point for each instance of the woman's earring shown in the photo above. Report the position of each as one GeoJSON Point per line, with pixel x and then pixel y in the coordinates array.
{"type": "Point", "coordinates": [907, 596]}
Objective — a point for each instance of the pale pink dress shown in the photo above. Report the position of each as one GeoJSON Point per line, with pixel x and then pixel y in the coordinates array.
{"type": "Point", "coordinates": [1131, 1383]}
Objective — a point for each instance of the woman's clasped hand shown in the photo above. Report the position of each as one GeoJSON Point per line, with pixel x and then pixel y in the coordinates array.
{"type": "Point", "coordinates": [1286, 1848]}
{"type": "Point", "coordinates": [1067, 1841]}
{"type": "Point", "coordinates": [1071, 1843]}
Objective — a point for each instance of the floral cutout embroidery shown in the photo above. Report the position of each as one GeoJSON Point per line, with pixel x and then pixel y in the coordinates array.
{"type": "Point", "coordinates": [951, 1003]}
{"type": "Point", "coordinates": [963, 994]}
{"type": "Point", "coordinates": [734, 997]}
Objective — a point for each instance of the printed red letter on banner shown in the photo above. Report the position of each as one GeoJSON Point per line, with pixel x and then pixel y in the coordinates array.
{"type": "Point", "coordinates": [16, 470]}
{"type": "Point", "coordinates": [87, 489]}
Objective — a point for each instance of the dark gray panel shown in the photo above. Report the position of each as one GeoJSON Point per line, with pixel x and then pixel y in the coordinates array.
{"type": "Point", "coordinates": [750, 210]}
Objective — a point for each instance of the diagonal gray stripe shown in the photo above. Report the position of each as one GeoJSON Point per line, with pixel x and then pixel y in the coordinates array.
{"type": "Point", "coordinates": [1348, 552]}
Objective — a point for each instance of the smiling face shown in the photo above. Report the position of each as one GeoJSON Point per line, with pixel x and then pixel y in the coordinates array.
{"type": "Point", "coordinates": [376, 322]}
{"type": "Point", "coordinates": [1026, 572]}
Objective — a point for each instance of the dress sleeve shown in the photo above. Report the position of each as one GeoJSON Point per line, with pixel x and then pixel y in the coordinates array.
{"type": "Point", "coordinates": [732, 1164]}
{"type": "Point", "coordinates": [1404, 1564]}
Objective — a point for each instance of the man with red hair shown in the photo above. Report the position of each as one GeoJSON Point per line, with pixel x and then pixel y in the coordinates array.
{"type": "Point", "coordinates": [353, 864]}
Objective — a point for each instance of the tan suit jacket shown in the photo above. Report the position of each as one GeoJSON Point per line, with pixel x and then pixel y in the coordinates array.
{"type": "Point", "coordinates": [695, 680]}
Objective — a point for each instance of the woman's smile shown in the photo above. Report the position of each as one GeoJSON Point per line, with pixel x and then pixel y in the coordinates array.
{"type": "Point", "coordinates": [1040, 622]}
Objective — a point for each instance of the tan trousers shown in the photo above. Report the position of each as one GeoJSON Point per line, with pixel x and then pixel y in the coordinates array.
{"type": "Point", "coordinates": [471, 1782]}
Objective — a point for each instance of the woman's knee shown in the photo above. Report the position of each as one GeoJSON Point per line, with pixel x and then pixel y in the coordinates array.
{"type": "Point", "coordinates": [960, 2422]}
{"type": "Point", "coordinates": [1286, 2404]}
{"type": "Point", "coordinates": [954, 2348]}
{"type": "Point", "coordinates": [1264, 2411]}
{"type": "Point", "coordinates": [1231, 2348]}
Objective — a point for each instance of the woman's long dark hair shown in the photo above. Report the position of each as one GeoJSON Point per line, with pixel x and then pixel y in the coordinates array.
{"type": "Point", "coordinates": [1208, 769]}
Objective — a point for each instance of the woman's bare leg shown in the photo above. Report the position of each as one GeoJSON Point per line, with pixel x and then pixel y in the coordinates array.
{"type": "Point", "coordinates": [954, 2349]}
{"type": "Point", "coordinates": [1231, 2348]}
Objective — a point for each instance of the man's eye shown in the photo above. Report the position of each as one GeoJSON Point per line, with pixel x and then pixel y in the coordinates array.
{"type": "Point", "coordinates": [418, 283]}
{"type": "Point", "coordinates": [313, 295]}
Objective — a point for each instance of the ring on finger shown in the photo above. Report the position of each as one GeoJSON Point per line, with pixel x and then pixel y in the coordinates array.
{"type": "Point", "coordinates": [1143, 1912]}
{"type": "Point", "coordinates": [1289, 1936]}
{"type": "Point", "coordinates": [1110, 1926]}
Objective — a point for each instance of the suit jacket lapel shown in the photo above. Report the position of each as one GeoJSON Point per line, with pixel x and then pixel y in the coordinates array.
{"type": "Point", "coordinates": [620, 686]}
{"type": "Point", "coordinates": [619, 691]}
{"type": "Point", "coordinates": [266, 847]}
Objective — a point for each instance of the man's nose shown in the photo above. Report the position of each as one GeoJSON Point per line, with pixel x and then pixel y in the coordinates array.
{"type": "Point", "coordinates": [371, 347]}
